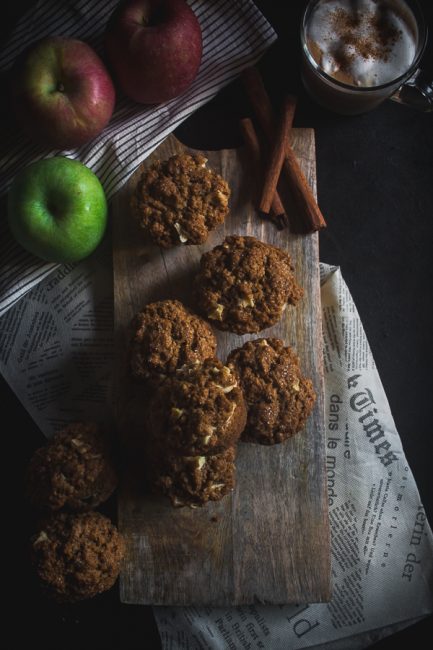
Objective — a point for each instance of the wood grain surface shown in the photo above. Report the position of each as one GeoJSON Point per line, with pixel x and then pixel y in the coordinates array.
{"type": "Point", "coordinates": [267, 542]}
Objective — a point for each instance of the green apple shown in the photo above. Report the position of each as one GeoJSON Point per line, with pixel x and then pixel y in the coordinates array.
{"type": "Point", "coordinates": [57, 209]}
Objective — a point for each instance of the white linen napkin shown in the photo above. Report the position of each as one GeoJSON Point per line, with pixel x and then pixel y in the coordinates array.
{"type": "Point", "coordinates": [235, 35]}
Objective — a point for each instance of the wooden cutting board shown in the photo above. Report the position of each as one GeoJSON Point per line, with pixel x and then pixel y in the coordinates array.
{"type": "Point", "coordinates": [268, 542]}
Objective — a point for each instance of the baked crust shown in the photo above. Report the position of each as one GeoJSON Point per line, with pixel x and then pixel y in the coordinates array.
{"type": "Point", "coordinates": [77, 556]}
{"type": "Point", "coordinates": [180, 200]}
{"type": "Point", "coordinates": [244, 285]}
{"type": "Point", "coordinates": [166, 337]}
{"type": "Point", "coordinates": [198, 411]}
{"type": "Point", "coordinates": [194, 480]}
{"type": "Point", "coordinates": [279, 399]}
{"type": "Point", "coordinates": [74, 470]}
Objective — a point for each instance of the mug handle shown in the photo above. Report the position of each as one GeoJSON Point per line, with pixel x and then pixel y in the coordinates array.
{"type": "Point", "coordinates": [416, 92]}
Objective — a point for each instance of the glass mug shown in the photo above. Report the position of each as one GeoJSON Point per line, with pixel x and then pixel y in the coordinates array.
{"type": "Point", "coordinates": [350, 94]}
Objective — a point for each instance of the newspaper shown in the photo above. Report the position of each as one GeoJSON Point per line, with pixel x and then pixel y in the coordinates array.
{"type": "Point", "coordinates": [56, 353]}
{"type": "Point", "coordinates": [56, 344]}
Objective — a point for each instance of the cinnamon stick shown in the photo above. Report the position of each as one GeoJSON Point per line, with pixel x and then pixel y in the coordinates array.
{"type": "Point", "coordinates": [278, 153]}
{"type": "Point", "coordinates": [253, 145]}
{"type": "Point", "coordinates": [259, 98]}
{"type": "Point", "coordinates": [302, 194]}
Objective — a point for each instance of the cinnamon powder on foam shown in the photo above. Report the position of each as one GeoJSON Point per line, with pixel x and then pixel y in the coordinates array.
{"type": "Point", "coordinates": [377, 43]}
{"type": "Point", "coordinates": [362, 42]}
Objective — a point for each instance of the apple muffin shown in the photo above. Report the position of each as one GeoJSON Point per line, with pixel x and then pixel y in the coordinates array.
{"type": "Point", "coordinates": [74, 470]}
{"type": "Point", "coordinates": [198, 411]}
{"type": "Point", "coordinates": [180, 200]}
{"type": "Point", "coordinates": [194, 480]}
{"type": "Point", "coordinates": [166, 337]}
{"type": "Point", "coordinates": [244, 285]}
{"type": "Point", "coordinates": [77, 556]}
{"type": "Point", "coordinates": [279, 399]}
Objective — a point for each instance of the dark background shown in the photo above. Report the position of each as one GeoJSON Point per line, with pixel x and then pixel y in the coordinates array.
{"type": "Point", "coordinates": [375, 188]}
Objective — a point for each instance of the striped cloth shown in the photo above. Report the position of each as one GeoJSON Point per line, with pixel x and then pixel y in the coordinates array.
{"type": "Point", "coordinates": [235, 35]}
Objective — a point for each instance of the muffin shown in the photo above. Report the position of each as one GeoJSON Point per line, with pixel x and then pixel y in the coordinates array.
{"type": "Point", "coordinates": [74, 470]}
{"type": "Point", "coordinates": [244, 285]}
{"type": "Point", "coordinates": [194, 480]}
{"type": "Point", "coordinates": [180, 200]}
{"type": "Point", "coordinates": [279, 399]}
{"type": "Point", "coordinates": [77, 556]}
{"type": "Point", "coordinates": [166, 337]}
{"type": "Point", "coordinates": [198, 411]}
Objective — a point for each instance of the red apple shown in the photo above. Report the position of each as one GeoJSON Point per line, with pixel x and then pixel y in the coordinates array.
{"type": "Point", "coordinates": [154, 48]}
{"type": "Point", "coordinates": [62, 93]}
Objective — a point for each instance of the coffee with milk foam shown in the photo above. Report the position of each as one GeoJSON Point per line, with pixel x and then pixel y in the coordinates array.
{"type": "Point", "coordinates": [363, 43]}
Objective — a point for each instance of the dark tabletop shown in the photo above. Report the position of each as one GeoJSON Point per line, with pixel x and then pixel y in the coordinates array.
{"type": "Point", "coordinates": [375, 188]}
